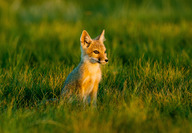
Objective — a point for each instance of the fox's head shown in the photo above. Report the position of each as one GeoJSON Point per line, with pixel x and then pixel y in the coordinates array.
{"type": "Point", "coordinates": [93, 50]}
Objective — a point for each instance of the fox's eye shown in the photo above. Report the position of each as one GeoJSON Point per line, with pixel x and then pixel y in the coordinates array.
{"type": "Point", "coordinates": [105, 51]}
{"type": "Point", "coordinates": [96, 52]}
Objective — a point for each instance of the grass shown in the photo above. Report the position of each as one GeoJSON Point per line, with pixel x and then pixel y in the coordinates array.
{"type": "Point", "coordinates": [146, 86]}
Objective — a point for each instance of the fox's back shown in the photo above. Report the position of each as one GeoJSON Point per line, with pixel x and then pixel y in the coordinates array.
{"type": "Point", "coordinates": [71, 81]}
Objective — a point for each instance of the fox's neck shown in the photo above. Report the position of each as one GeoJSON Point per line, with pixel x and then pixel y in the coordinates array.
{"type": "Point", "coordinates": [86, 61]}
{"type": "Point", "coordinates": [90, 66]}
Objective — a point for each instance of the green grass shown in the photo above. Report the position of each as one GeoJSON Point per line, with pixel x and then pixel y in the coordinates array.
{"type": "Point", "coordinates": [145, 87]}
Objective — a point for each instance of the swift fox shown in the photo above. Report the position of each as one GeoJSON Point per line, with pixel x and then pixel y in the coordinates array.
{"type": "Point", "coordinates": [84, 79]}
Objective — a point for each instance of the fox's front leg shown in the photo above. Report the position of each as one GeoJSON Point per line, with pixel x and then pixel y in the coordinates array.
{"type": "Point", "coordinates": [86, 86]}
{"type": "Point", "coordinates": [83, 95]}
{"type": "Point", "coordinates": [94, 94]}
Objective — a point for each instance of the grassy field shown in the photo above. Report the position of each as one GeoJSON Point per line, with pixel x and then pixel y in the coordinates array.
{"type": "Point", "coordinates": [145, 87]}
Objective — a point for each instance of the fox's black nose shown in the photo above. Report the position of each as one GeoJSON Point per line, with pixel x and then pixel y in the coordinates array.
{"type": "Point", "coordinates": [106, 60]}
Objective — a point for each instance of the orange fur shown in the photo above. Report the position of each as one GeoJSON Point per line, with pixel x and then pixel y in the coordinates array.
{"type": "Point", "coordinates": [84, 79]}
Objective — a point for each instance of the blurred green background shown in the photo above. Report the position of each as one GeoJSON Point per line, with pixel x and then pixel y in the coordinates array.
{"type": "Point", "coordinates": [49, 31]}
{"type": "Point", "coordinates": [147, 82]}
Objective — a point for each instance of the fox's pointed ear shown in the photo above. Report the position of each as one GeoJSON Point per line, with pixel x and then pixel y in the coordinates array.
{"type": "Point", "coordinates": [101, 37]}
{"type": "Point", "coordinates": [85, 39]}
